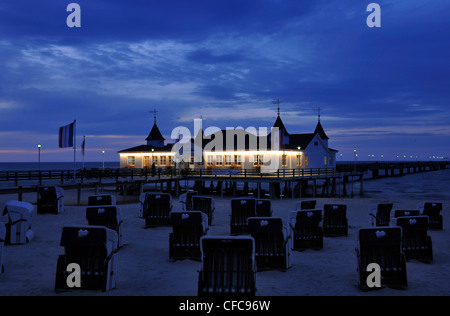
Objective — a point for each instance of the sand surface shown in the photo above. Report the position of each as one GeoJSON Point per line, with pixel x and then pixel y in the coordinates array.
{"type": "Point", "coordinates": [144, 267]}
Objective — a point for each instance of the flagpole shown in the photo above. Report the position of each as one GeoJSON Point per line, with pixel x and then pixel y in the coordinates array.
{"type": "Point", "coordinates": [74, 149]}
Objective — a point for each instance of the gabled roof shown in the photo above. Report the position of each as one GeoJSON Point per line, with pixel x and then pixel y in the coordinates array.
{"type": "Point", "coordinates": [155, 134]}
{"type": "Point", "coordinates": [319, 130]}
{"type": "Point", "coordinates": [302, 140]}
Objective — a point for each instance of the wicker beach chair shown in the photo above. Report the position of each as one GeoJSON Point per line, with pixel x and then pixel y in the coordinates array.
{"type": "Point", "coordinates": [185, 200]}
{"type": "Point", "coordinates": [157, 208]}
{"type": "Point", "coordinates": [204, 204]}
{"type": "Point", "coordinates": [228, 266]}
{"type": "Point", "coordinates": [416, 243]}
{"type": "Point", "coordinates": [306, 229]}
{"type": "Point", "coordinates": [50, 200]}
{"type": "Point", "coordinates": [241, 210]}
{"type": "Point", "coordinates": [433, 211]}
{"type": "Point", "coordinates": [380, 214]}
{"type": "Point", "coordinates": [187, 229]}
{"type": "Point", "coordinates": [401, 212]}
{"type": "Point", "coordinates": [305, 205]}
{"type": "Point", "coordinates": [335, 221]}
{"type": "Point", "coordinates": [94, 249]}
{"type": "Point", "coordinates": [2, 245]}
{"type": "Point", "coordinates": [109, 216]}
{"type": "Point", "coordinates": [101, 199]}
{"type": "Point", "coordinates": [273, 242]}
{"type": "Point", "coordinates": [264, 208]}
{"type": "Point", "coordinates": [383, 246]}
{"type": "Point", "coordinates": [17, 217]}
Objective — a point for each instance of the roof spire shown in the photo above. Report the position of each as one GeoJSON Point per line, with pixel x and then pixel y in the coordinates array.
{"type": "Point", "coordinates": [318, 111]}
{"type": "Point", "coordinates": [277, 102]}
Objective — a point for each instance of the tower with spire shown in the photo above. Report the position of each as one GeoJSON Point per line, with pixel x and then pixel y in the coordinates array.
{"type": "Point", "coordinates": [155, 137]}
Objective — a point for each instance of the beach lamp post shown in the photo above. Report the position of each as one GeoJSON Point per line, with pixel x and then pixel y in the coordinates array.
{"type": "Point", "coordinates": [103, 163]}
{"type": "Point", "coordinates": [39, 156]}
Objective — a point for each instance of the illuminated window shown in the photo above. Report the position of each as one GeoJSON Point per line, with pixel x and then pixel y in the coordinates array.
{"type": "Point", "coordinates": [258, 160]}
{"type": "Point", "coordinates": [299, 160]}
{"type": "Point", "coordinates": [131, 160]}
{"type": "Point", "coordinates": [155, 160]}
{"type": "Point", "coordinates": [284, 160]}
{"type": "Point", "coordinates": [325, 160]}
{"type": "Point", "coordinates": [219, 160]}
{"type": "Point", "coordinates": [210, 160]}
{"type": "Point", "coordinates": [170, 160]}
{"type": "Point", "coordinates": [227, 160]}
{"type": "Point", "coordinates": [146, 161]}
{"type": "Point", "coordinates": [306, 161]}
{"type": "Point", "coordinates": [163, 160]}
{"type": "Point", "coordinates": [237, 160]}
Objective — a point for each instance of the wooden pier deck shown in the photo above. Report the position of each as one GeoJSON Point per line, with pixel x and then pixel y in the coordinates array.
{"type": "Point", "coordinates": [284, 183]}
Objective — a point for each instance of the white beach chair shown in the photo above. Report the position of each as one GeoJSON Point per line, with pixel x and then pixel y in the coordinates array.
{"type": "Point", "coordinates": [187, 229]}
{"type": "Point", "coordinates": [273, 242]}
{"type": "Point", "coordinates": [17, 219]}
{"type": "Point", "coordinates": [50, 200]}
{"type": "Point", "coordinates": [185, 200]}
{"type": "Point", "coordinates": [228, 266]}
{"type": "Point", "coordinates": [94, 249]}
{"type": "Point", "coordinates": [109, 216]}
{"type": "Point", "coordinates": [2, 244]}
{"type": "Point", "coordinates": [101, 199]}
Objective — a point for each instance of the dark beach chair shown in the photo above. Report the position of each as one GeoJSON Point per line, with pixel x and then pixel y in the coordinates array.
{"type": "Point", "coordinates": [50, 200]}
{"type": "Point", "coordinates": [380, 214]}
{"type": "Point", "coordinates": [272, 242]}
{"type": "Point", "coordinates": [416, 244]}
{"type": "Point", "coordinates": [187, 229]}
{"type": "Point", "coordinates": [335, 221]}
{"type": "Point", "coordinates": [2, 244]}
{"type": "Point", "coordinates": [109, 216]}
{"type": "Point", "coordinates": [204, 204]}
{"type": "Point", "coordinates": [186, 200]}
{"type": "Point", "coordinates": [228, 266]}
{"type": "Point", "coordinates": [264, 208]}
{"type": "Point", "coordinates": [433, 211]}
{"type": "Point", "coordinates": [241, 210]}
{"type": "Point", "coordinates": [101, 199]}
{"type": "Point", "coordinates": [307, 231]}
{"type": "Point", "coordinates": [398, 213]}
{"type": "Point", "coordinates": [383, 246]}
{"type": "Point", "coordinates": [94, 249]}
{"type": "Point", "coordinates": [17, 217]}
{"type": "Point", "coordinates": [157, 208]}
{"type": "Point", "coordinates": [306, 205]}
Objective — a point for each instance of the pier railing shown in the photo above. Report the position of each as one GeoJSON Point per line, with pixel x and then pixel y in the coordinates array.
{"type": "Point", "coordinates": [131, 173]}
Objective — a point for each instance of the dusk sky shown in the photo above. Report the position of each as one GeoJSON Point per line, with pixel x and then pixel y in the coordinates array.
{"type": "Point", "coordinates": [383, 91]}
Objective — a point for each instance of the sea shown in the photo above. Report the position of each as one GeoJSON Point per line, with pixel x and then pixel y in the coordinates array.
{"type": "Point", "coordinates": [20, 166]}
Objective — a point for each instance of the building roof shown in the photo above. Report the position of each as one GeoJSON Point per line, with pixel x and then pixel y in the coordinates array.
{"type": "Point", "coordinates": [279, 123]}
{"type": "Point", "coordinates": [302, 140]}
{"type": "Point", "coordinates": [155, 134]}
{"type": "Point", "coordinates": [147, 149]}
{"type": "Point", "coordinates": [319, 130]}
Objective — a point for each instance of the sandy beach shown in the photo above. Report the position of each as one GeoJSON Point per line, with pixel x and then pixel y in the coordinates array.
{"type": "Point", "coordinates": [144, 268]}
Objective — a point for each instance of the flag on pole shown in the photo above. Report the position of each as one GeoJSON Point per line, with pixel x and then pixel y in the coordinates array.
{"type": "Point", "coordinates": [83, 145]}
{"type": "Point", "coordinates": [66, 135]}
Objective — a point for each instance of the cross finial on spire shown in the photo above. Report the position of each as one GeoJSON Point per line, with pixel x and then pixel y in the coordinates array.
{"type": "Point", "coordinates": [318, 110]}
{"type": "Point", "coordinates": [154, 115]}
{"type": "Point", "coordinates": [277, 102]}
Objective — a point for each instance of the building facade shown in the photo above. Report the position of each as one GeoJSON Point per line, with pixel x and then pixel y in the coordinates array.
{"type": "Point", "coordinates": [235, 149]}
